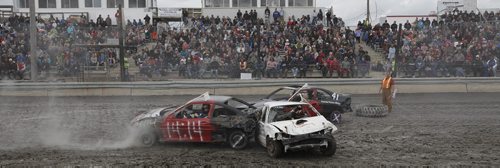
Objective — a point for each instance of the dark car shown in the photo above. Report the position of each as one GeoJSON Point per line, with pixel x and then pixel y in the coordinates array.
{"type": "Point", "coordinates": [203, 119]}
{"type": "Point", "coordinates": [330, 104]}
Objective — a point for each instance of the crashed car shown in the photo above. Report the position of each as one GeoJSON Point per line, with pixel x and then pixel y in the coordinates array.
{"type": "Point", "coordinates": [286, 126]}
{"type": "Point", "coordinates": [206, 118]}
{"type": "Point", "coordinates": [330, 104]}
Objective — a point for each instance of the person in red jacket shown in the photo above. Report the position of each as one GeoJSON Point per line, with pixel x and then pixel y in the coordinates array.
{"type": "Point", "coordinates": [333, 65]}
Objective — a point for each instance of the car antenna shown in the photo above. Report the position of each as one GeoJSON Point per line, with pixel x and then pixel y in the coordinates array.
{"type": "Point", "coordinates": [296, 92]}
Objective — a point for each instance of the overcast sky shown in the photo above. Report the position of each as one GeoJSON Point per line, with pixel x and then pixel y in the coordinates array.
{"type": "Point", "coordinates": [353, 10]}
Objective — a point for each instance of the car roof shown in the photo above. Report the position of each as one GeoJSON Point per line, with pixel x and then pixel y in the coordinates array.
{"type": "Point", "coordinates": [282, 103]}
{"type": "Point", "coordinates": [295, 87]}
{"type": "Point", "coordinates": [218, 99]}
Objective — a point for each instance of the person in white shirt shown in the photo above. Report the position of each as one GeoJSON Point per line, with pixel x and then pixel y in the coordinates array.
{"type": "Point", "coordinates": [392, 53]}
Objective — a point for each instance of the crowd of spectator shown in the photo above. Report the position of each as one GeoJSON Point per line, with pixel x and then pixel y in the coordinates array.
{"type": "Point", "coordinates": [61, 44]}
{"type": "Point", "coordinates": [460, 44]}
{"type": "Point", "coordinates": [280, 47]}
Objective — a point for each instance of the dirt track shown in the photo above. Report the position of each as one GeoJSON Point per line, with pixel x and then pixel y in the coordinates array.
{"type": "Point", "coordinates": [425, 129]}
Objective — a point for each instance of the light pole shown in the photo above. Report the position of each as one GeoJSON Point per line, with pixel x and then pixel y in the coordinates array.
{"type": "Point", "coordinates": [33, 41]}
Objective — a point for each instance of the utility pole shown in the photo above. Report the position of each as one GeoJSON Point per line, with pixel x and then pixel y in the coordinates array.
{"type": "Point", "coordinates": [398, 59]}
{"type": "Point", "coordinates": [33, 41]}
{"type": "Point", "coordinates": [368, 11]}
{"type": "Point", "coordinates": [120, 40]}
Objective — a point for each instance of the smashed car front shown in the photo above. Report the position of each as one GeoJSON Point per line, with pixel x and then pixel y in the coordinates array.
{"type": "Point", "coordinates": [307, 133]}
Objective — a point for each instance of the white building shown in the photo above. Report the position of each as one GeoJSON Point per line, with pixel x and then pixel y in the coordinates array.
{"type": "Point", "coordinates": [132, 9]}
{"type": "Point", "coordinates": [449, 5]}
{"type": "Point", "coordinates": [229, 8]}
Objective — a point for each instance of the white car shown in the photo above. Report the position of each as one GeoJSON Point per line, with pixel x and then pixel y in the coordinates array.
{"type": "Point", "coordinates": [286, 126]}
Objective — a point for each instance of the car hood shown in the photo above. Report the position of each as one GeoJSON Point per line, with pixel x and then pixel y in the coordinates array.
{"type": "Point", "coordinates": [304, 125]}
{"type": "Point", "coordinates": [150, 114]}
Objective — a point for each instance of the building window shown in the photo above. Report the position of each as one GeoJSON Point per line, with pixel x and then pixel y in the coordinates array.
{"type": "Point", "coordinates": [310, 2]}
{"type": "Point", "coordinates": [92, 3]}
{"type": "Point", "coordinates": [114, 3]}
{"type": "Point", "coordinates": [244, 3]}
{"type": "Point", "coordinates": [217, 3]}
{"type": "Point", "coordinates": [69, 3]}
{"type": "Point", "coordinates": [46, 3]}
{"type": "Point", "coordinates": [24, 3]}
{"type": "Point", "coordinates": [136, 3]}
{"type": "Point", "coordinates": [299, 3]}
{"type": "Point", "coordinates": [272, 3]}
{"type": "Point", "coordinates": [235, 3]}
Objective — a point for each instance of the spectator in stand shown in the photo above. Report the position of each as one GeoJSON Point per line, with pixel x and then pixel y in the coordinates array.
{"type": "Point", "coordinates": [108, 21]}
{"type": "Point", "coordinates": [276, 15]}
{"type": "Point", "coordinates": [271, 68]}
{"type": "Point", "coordinates": [243, 65]}
{"type": "Point", "coordinates": [239, 14]}
{"type": "Point", "coordinates": [267, 13]}
{"type": "Point", "coordinates": [147, 19]}
{"type": "Point", "coordinates": [346, 68]}
{"type": "Point", "coordinates": [333, 65]}
{"type": "Point", "coordinates": [492, 66]}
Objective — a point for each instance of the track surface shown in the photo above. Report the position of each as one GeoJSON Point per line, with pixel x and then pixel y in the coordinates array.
{"type": "Point", "coordinates": [424, 129]}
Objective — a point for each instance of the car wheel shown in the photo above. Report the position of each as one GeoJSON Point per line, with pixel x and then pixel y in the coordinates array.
{"type": "Point", "coordinates": [274, 148]}
{"type": "Point", "coordinates": [148, 139]}
{"type": "Point", "coordinates": [238, 140]}
{"type": "Point", "coordinates": [335, 117]}
{"type": "Point", "coordinates": [330, 149]}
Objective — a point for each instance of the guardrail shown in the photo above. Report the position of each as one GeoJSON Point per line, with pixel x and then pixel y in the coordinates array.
{"type": "Point", "coordinates": [235, 87]}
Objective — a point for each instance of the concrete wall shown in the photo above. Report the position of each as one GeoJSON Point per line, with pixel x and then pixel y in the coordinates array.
{"type": "Point", "coordinates": [239, 87]}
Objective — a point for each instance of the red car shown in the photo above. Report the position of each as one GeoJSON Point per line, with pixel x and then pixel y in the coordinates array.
{"type": "Point", "coordinates": [203, 119]}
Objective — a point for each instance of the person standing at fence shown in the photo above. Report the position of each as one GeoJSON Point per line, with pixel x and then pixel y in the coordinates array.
{"type": "Point", "coordinates": [387, 89]}
{"type": "Point", "coordinates": [492, 66]}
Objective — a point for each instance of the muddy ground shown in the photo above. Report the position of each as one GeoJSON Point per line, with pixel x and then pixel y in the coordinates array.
{"type": "Point", "coordinates": [424, 129]}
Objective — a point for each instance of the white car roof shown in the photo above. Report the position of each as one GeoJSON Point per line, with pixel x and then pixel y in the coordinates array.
{"type": "Point", "coordinates": [282, 103]}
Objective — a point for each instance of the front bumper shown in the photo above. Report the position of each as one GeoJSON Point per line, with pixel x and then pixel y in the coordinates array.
{"type": "Point", "coordinates": [306, 141]}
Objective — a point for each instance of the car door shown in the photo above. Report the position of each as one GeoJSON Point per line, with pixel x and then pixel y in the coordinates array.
{"type": "Point", "coordinates": [190, 123]}
{"type": "Point", "coordinates": [326, 101]}
{"type": "Point", "coordinates": [172, 124]}
{"type": "Point", "coordinates": [261, 132]}
{"type": "Point", "coordinates": [198, 128]}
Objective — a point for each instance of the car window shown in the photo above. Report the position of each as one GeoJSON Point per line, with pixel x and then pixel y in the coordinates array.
{"type": "Point", "coordinates": [322, 95]}
{"type": "Point", "coordinates": [236, 104]}
{"type": "Point", "coordinates": [262, 115]}
{"type": "Point", "coordinates": [194, 111]}
{"type": "Point", "coordinates": [272, 113]}
{"type": "Point", "coordinates": [222, 111]}
{"type": "Point", "coordinates": [290, 112]}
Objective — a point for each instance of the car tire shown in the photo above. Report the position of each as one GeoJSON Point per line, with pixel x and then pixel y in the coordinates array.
{"type": "Point", "coordinates": [148, 139]}
{"type": "Point", "coordinates": [372, 111]}
{"type": "Point", "coordinates": [330, 149]}
{"type": "Point", "coordinates": [335, 117]}
{"type": "Point", "coordinates": [274, 148]}
{"type": "Point", "coordinates": [238, 140]}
